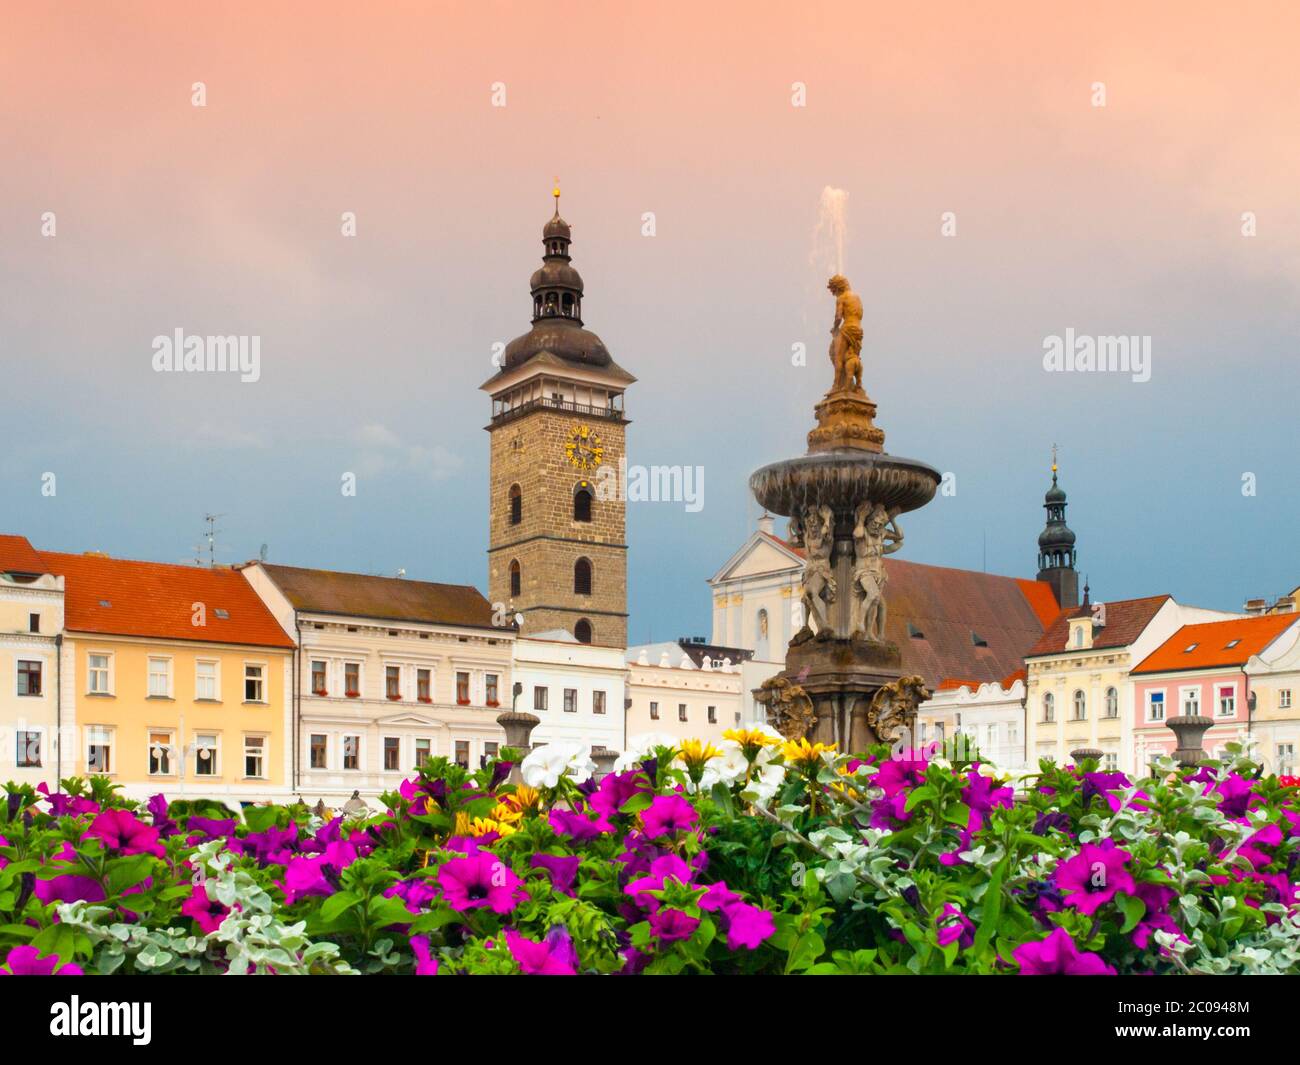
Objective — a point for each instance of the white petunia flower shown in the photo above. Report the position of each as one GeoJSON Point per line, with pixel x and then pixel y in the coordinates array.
{"type": "Point", "coordinates": [544, 766]}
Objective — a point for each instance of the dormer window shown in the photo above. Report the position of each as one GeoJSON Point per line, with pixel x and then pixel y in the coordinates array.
{"type": "Point", "coordinates": [1230, 644]}
{"type": "Point", "coordinates": [978, 640]}
{"type": "Point", "coordinates": [1190, 648]}
{"type": "Point", "coordinates": [914, 632]}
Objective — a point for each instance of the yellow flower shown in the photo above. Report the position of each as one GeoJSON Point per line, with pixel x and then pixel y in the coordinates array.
{"type": "Point", "coordinates": [506, 814]}
{"type": "Point", "coordinates": [523, 799]}
{"type": "Point", "coordinates": [803, 751]}
{"type": "Point", "coordinates": [751, 739]}
{"type": "Point", "coordinates": [479, 826]}
{"type": "Point", "coordinates": [696, 752]}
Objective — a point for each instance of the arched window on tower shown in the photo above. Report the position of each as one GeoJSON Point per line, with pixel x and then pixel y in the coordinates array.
{"type": "Point", "coordinates": [568, 305]}
{"type": "Point", "coordinates": [516, 577]}
{"type": "Point", "coordinates": [582, 504]}
{"type": "Point", "coordinates": [582, 631]}
{"type": "Point", "coordinates": [582, 577]}
{"type": "Point", "coordinates": [516, 504]}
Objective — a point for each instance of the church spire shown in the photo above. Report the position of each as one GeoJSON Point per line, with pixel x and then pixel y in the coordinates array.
{"type": "Point", "coordinates": [1056, 551]}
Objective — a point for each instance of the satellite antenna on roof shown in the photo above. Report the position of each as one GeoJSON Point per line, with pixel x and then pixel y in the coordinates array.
{"type": "Point", "coordinates": [262, 552]}
{"type": "Point", "coordinates": [211, 537]}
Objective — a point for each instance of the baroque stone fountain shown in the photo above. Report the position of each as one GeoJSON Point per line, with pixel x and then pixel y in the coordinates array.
{"type": "Point", "coordinates": [843, 681]}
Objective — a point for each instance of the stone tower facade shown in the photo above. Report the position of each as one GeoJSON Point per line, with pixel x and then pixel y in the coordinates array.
{"type": "Point", "coordinates": [557, 529]}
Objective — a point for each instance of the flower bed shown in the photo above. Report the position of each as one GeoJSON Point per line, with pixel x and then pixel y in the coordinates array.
{"type": "Point", "coordinates": [755, 856]}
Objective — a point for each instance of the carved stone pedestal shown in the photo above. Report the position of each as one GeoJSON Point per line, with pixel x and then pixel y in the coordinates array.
{"type": "Point", "coordinates": [846, 419]}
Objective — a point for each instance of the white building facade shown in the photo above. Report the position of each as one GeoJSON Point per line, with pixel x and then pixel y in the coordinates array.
{"type": "Point", "coordinates": [577, 690]}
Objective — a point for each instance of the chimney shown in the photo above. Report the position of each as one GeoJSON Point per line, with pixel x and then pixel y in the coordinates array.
{"type": "Point", "coordinates": [1256, 606]}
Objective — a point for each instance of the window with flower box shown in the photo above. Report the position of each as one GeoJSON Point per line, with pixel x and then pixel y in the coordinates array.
{"type": "Point", "coordinates": [462, 689]}
{"type": "Point", "coordinates": [490, 682]}
{"type": "Point", "coordinates": [424, 685]}
{"type": "Point", "coordinates": [352, 679]}
{"type": "Point", "coordinates": [319, 685]}
{"type": "Point", "coordinates": [393, 682]}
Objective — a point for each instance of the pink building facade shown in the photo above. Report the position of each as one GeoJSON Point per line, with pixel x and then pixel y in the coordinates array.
{"type": "Point", "coordinates": [1221, 695]}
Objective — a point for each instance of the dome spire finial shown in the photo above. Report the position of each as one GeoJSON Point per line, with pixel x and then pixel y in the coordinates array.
{"type": "Point", "coordinates": [1053, 464]}
{"type": "Point", "coordinates": [556, 193]}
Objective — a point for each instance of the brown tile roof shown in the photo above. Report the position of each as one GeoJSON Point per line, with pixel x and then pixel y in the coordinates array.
{"type": "Point", "coordinates": [18, 556]}
{"type": "Point", "coordinates": [157, 599]}
{"type": "Point", "coordinates": [1125, 620]}
{"type": "Point", "coordinates": [388, 598]}
{"type": "Point", "coordinates": [950, 608]}
{"type": "Point", "coordinates": [1211, 641]}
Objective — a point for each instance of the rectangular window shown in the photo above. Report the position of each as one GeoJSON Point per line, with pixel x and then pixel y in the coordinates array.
{"type": "Point", "coordinates": [1286, 759]}
{"type": "Point", "coordinates": [29, 749]}
{"type": "Point", "coordinates": [1227, 702]}
{"type": "Point", "coordinates": [423, 750]}
{"type": "Point", "coordinates": [654, 711]}
{"type": "Point", "coordinates": [352, 679]}
{"type": "Point", "coordinates": [540, 698]}
{"type": "Point", "coordinates": [462, 753]}
{"type": "Point", "coordinates": [1110, 762]}
{"type": "Point", "coordinates": [1192, 702]}
{"type": "Point", "coordinates": [319, 746]}
{"type": "Point", "coordinates": [392, 753]}
{"type": "Point", "coordinates": [490, 749]}
{"type": "Point", "coordinates": [33, 623]}
{"type": "Point", "coordinates": [254, 684]}
{"type": "Point", "coordinates": [160, 754]}
{"type": "Point", "coordinates": [1284, 699]}
{"type": "Point", "coordinates": [99, 749]}
{"type": "Point", "coordinates": [713, 715]}
{"type": "Point", "coordinates": [160, 678]}
{"type": "Point", "coordinates": [424, 685]}
{"type": "Point", "coordinates": [255, 757]}
{"type": "Point", "coordinates": [490, 683]}
{"type": "Point", "coordinates": [318, 678]}
{"type": "Point", "coordinates": [1155, 706]}
{"type": "Point", "coordinates": [205, 680]}
{"type": "Point", "coordinates": [393, 682]}
{"type": "Point", "coordinates": [570, 700]}
{"type": "Point", "coordinates": [681, 711]}
{"type": "Point", "coordinates": [206, 755]}
{"type": "Point", "coordinates": [462, 689]}
{"type": "Point", "coordinates": [29, 677]}
{"type": "Point", "coordinates": [597, 702]}
{"type": "Point", "coordinates": [351, 752]}
{"type": "Point", "coordinates": [97, 674]}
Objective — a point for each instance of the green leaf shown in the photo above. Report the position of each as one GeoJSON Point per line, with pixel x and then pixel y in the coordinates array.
{"type": "Point", "coordinates": [1132, 908]}
{"type": "Point", "coordinates": [260, 818]}
{"type": "Point", "coordinates": [125, 873]}
{"type": "Point", "coordinates": [918, 796]}
{"type": "Point", "coordinates": [992, 907]}
{"type": "Point", "coordinates": [807, 949]}
{"type": "Point", "coordinates": [338, 904]}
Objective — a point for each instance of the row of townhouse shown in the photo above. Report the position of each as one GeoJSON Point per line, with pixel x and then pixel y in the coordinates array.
{"type": "Point", "coordinates": [263, 681]}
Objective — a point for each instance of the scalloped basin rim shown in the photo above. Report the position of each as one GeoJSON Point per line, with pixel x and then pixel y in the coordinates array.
{"type": "Point", "coordinates": [844, 477]}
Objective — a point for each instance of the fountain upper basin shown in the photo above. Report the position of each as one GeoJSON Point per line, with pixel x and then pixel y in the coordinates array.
{"type": "Point", "coordinates": [842, 479]}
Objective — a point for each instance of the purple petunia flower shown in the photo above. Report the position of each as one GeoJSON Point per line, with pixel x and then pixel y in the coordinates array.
{"type": "Point", "coordinates": [64, 805]}
{"type": "Point", "coordinates": [955, 927]}
{"type": "Point", "coordinates": [480, 880]}
{"type": "Point", "coordinates": [207, 913]}
{"type": "Point", "coordinates": [1091, 878]}
{"type": "Point", "coordinates": [669, 925]}
{"type": "Point", "coordinates": [668, 815]}
{"type": "Point", "coordinates": [122, 831]}
{"type": "Point", "coordinates": [425, 963]}
{"type": "Point", "coordinates": [1102, 784]}
{"type": "Point", "coordinates": [273, 846]}
{"type": "Point", "coordinates": [202, 829]}
{"type": "Point", "coordinates": [554, 956]}
{"type": "Point", "coordinates": [562, 868]}
{"type": "Point", "coordinates": [1057, 955]}
{"type": "Point", "coordinates": [578, 826]}
{"type": "Point", "coordinates": [69, 887]}
{"type": "Point", "coordinates": [1235, 795]}
{"type": "Point", "coordinates": [981, 793]}
{"type": "Point", "coordinates": [417, 894]}
{"type": "Point", "coordinates": [747, 926]}
{"type": "Point", "coordinates": [27, 961]}
{"type": "Point", "coordinates": [158, 807]}
{"type": "Point", "coordinates": [1054, 820]}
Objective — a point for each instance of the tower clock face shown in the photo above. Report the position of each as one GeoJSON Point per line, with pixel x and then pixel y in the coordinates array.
{"type": "Point", "coordinates": [584, 449]}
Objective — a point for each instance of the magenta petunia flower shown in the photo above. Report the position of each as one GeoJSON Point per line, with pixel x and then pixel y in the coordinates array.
{"type": "Point", "coordinates": [1236, 795]}
{"type": "Point", "coordinates": [26, 961]}
{"type": "Point", "coordinates": [668, 815]}
{"type": "Point", "coordinates": [579, 826]}
{"type": "Point", "coordinates": [747, 926]}
{"type": "Point", "coordinates": [563, 870]}
{"type": "Point", "coordinates": [661, 869]}
{"type": "Point", "coordinates": [1268, 836]}
{"type": "Point", "coordinates": [207, 913]}
{"type": "Point", "coordinates": [900, 774]}
{"type": "Point", "coordinates": [981, 793]}
{"type": "Point", "coordinates": [1057, 955]}
{"type": "Point", "coordinates": [480, 880]}
{"type": "Point", "coordinates": [1091, 878]}
{"type": "Point", "coordinates": [425, 963]}
{"type": "Point", "coordinates": [615, 790]}
{"type": "Point", "coordinates": [718, 897]}
{"type": "Point", "coordinates": [122, 831]}
{"type": "Point", "coordinates": [64, 805]}
{"type": "Point", "coordinates": [3, 861]}
{"type": "Point", "coordinates": [669, 925]}
{"type": "Point", "coordinates": [554, 956]}
{"type": "Point", "coordinates": [955, 927]}
{"type": "Point", "coordinates": [417, 894]}
{"type": "Point", "coordinates": [69, 887]}
{"type": "Point", "coordinates": [316, 874]}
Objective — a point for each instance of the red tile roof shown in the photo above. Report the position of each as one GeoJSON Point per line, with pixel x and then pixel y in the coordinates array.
{"type": "Point", "coordinates": [1125, 620]}
{"type": "Point", "coordinates": [156, 599]}
{"type": "Point", "coordinates": [1211, 641]}
{"type": "Point", "coordinates": [388, 598]}
{"type": "Point", "coordinates": [18, 556]}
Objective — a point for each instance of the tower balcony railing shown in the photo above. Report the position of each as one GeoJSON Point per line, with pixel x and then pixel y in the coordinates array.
{"type": "Point", "coordinates": [588, 410]}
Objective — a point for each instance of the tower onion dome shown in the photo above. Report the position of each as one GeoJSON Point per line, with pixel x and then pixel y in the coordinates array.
{"type": "Point", "coordinates": [557, 306]}
{"type": "Point", "coordinates": [1056, 541]}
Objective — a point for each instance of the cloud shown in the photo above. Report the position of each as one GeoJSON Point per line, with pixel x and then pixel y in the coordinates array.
{"type": "Point", "coordinates": [382, 451]}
